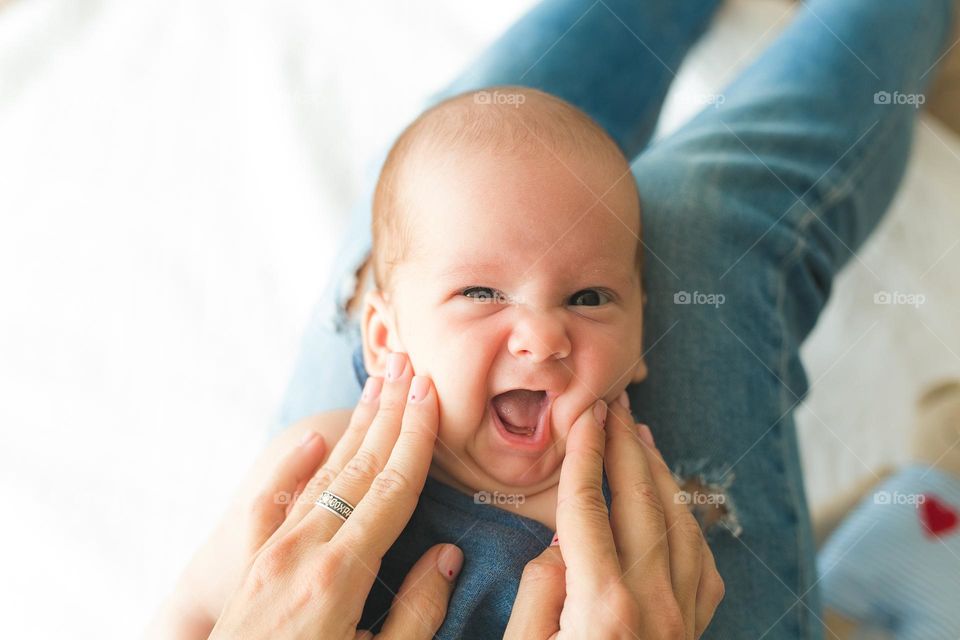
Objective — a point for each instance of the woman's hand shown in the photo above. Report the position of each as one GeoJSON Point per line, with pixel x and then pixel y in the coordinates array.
{"type": "Point", "coordinates": [312, 576]}
{"type": "Point", "coordinates": [644, 571]}
{"type": "Point", "coordinates": [307, 572]}
{"type": "Point", "coordinates": [259, 506]}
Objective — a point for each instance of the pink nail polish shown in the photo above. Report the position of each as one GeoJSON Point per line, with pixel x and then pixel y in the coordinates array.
{"type": "Point", "coordinates": [450, 561]}
{"type": "Point", "coordinates": [307, 438]}
{"type": "Point", "coordinates": [395, 362]}
{"type": "Point", "coordinates": [646, 435]}
{"type": "Point", "coordinates": [600, 412]}
{"type": "Point", "coordinates": [419, 388]}
{"type": "Point", "coordinates": [371, 390]}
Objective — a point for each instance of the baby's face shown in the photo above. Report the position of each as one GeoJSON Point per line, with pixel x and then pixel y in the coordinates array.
{"type": "Point", "coordinates": [517, 277]}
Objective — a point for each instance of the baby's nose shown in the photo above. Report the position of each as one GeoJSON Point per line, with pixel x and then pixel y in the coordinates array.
{"type": "Point", "coordinates": [538, 336]}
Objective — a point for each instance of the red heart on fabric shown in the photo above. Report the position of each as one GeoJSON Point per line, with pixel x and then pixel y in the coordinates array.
{"type": "Point", "coordinates": [937, 517]}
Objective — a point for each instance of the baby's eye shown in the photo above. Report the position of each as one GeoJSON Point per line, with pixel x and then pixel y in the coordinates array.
{"type": "Point", "coordinates": [483, 294]}
{"type": "Point", "coordinates": [589, 298]}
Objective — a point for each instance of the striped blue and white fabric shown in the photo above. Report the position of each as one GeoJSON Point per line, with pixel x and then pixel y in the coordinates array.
{"type": "Point", "coordinates": [894, 562]}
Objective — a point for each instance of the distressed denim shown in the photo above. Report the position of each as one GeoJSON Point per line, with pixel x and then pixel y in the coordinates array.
{"type": "Point", "coordinates": [749, 211]}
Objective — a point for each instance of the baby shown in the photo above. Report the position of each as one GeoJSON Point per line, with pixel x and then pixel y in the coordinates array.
{"type": "Point", "coordinates": [507, 264]}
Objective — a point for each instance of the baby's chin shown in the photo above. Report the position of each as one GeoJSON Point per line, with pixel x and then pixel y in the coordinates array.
{"type": "Point", "coordinates": [490, 467]}
{"type": "Point", "coordinates": [499, 482]}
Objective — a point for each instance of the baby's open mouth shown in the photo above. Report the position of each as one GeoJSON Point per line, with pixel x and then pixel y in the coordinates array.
{"type": "Point", "coordinates": [520, 410]}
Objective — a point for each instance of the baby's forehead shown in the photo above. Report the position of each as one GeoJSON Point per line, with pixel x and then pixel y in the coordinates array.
{"type": "Point", "coordinates": [504, 202]}
{"type": "Point", "coordinates": [499, 215]}
{"type": "Point", "coordinates": [517, 182]}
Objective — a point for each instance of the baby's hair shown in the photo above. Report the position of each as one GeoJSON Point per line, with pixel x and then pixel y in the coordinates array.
{"type": "Point", "coordinates": [503, 119]}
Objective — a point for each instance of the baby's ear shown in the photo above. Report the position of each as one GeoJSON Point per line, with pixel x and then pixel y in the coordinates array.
{"type": "Point", "coordinates": [378, 329]}
{"type": "Point", "coordinates": [640, 371]}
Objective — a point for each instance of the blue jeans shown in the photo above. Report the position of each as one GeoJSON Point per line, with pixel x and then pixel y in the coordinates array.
{"type": "Point", "coordinates": [749, 211]}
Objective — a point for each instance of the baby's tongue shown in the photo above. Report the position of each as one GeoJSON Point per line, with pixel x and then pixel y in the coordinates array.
{"type": "Point", "coordinates": [519, 409]}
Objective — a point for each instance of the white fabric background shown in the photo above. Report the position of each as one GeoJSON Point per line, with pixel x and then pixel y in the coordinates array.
{"type": "Point", "coordinates": [174, 177]}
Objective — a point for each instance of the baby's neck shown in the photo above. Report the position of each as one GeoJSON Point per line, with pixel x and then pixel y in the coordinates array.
{"type": "Point", "coordinates": [541, 506]}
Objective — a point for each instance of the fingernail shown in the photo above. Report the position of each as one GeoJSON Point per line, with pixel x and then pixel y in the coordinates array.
{"type": "Point", "coordinates": [450, 561]}
{"type": "Point", "coordinates": [307, 438]}
{"type": "Point", "coordinates": [646, 435]}
{"type": "Point", "coordinates": [419, 388]}
{"type": "Point", "coordinates": [395, 363]}
{"type": "Point", "coordinates": [600, 412]}
{"type": "Point", "coordinates": [371, 390]}
{"type": "Point", "coordinates": [556, 540]}
{"type": "Point", "coordinates": [624, 400]}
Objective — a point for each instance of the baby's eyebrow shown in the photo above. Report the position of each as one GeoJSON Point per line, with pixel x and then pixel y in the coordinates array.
{"type": "Point", "coordinates": [474, 269]}
{"type": "Point", "coordinates": [482, 272]}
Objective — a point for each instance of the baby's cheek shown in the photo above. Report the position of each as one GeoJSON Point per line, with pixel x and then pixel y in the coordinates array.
{"type": "Point", "coordinates": [619, 359]}
{"type": "Point", "coordinates": [604, 365]}
{"type": "Point", "coordinates": [453, 433]}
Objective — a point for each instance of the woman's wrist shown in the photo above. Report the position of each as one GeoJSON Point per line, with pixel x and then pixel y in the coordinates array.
{"type": "Point", "coordinates": [189, 611]}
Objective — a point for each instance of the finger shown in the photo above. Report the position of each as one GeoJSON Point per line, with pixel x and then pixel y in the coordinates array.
{"type": "Point", "coordinates": [637, 515]}
{"type": "Point", "coordinates": [536, 610]}
{"type": "Point", "coordinates": [358, 474]}
{"type": "Point", "coordinates": [583, 524]}
{"type": "Point", "coordinates": [291, 472]}
{"type": "Point", "coordinates": [645, 501]}
{"type": "Point", "coordinates": [421, 604]}
{"type": "Point", "coordinates": [684, 538]}
{"type": "Point", "coordinates": [363, 416]}
{"type": "Point", "coordinates": [710, 591]}
{"type": "Point", "coordinates": [386, 508]}
{"type": "Point", "coordinates": [345, 448]}
{"type": "Point", "coordinates": [296, 496]}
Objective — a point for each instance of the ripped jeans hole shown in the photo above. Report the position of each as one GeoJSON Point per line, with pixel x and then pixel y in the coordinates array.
{"type": "Point", "coordinates": [709, 502]}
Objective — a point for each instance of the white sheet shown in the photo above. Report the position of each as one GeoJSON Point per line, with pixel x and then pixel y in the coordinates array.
{"type": "Point", "coordinates": [173, 182]}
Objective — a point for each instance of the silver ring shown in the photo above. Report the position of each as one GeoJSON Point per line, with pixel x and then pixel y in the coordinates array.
{"type": "Point", "coordinates": [335, 505]}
